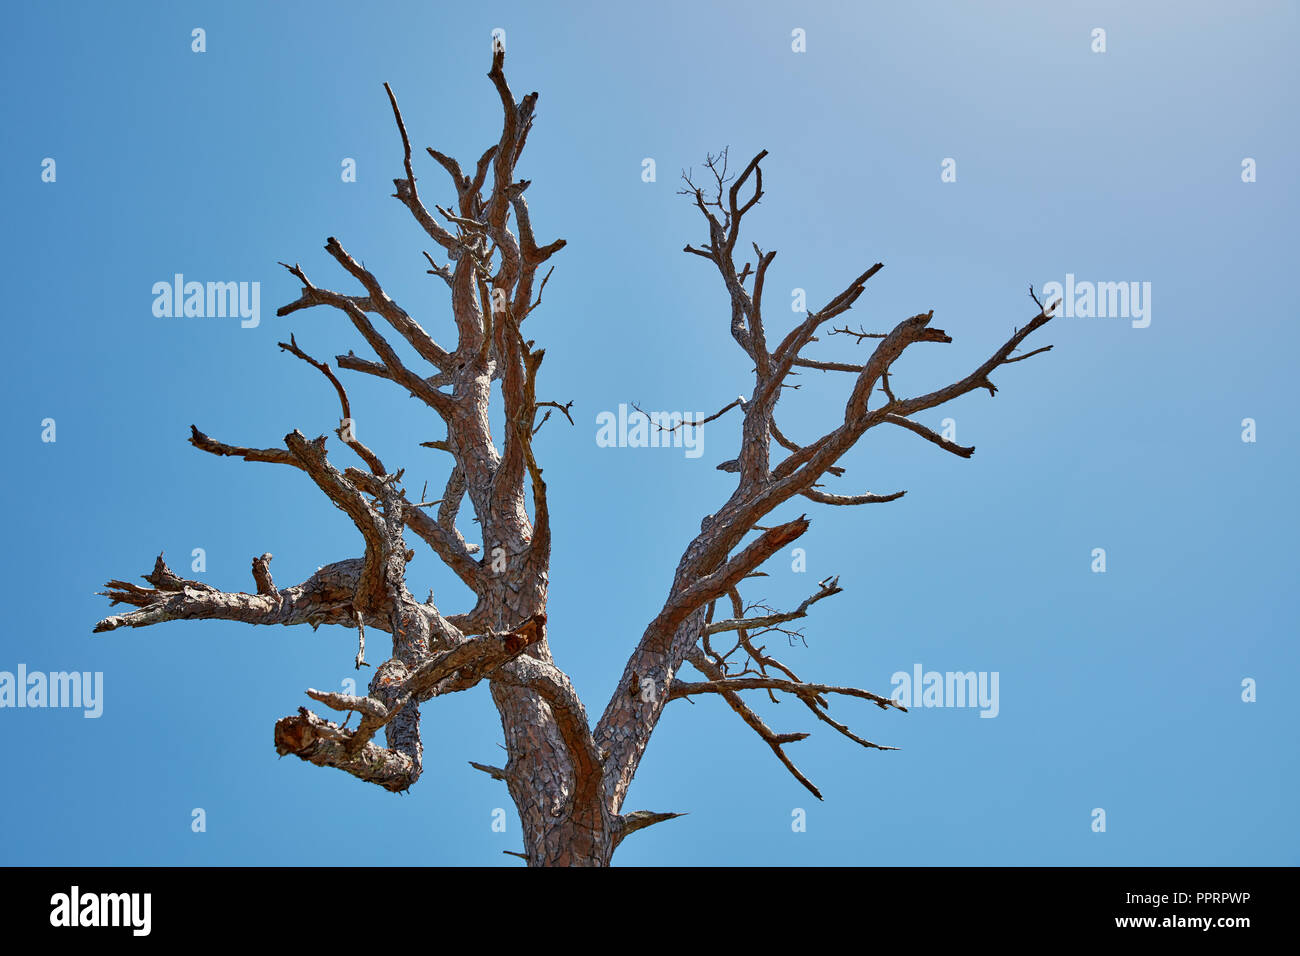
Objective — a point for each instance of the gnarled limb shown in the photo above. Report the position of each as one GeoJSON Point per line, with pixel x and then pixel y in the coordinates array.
{"type": "Point", "coordinates": [324, 598]}
{"type": "Point", "coordinates": [395, 694]}
{"type": "Point", "coordinates": [626, 725]}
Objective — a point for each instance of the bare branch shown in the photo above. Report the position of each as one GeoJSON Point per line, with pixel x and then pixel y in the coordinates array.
{"type": "Point", "coordinates": [277, 456]}
{"type": "Point", "coordinates": [629, 823]}
{"type": "Point", "coordinates": [324, 598]}
{"type": "Point", "coordinates": [868, 499]}
{"type": "Point", "coordinates": [345, 432]}
{"type": "Point", "coordinates": [829, 588]}
{"type": "Point", "coordinates": [930, 436]}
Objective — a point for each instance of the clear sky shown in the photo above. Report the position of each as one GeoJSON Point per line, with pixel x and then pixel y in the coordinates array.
{"type": "Point", "coordinates": [1119, 690]}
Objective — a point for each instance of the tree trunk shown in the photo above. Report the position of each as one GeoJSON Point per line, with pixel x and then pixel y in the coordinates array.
{"type": "Point", "coordinates": [556, 830]}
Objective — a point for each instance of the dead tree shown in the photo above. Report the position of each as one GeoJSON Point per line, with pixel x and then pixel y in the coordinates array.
{"type": "Point", "coordinates": [567, 777]}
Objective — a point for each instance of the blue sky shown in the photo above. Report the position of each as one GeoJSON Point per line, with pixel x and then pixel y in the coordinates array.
{"type": "Point", "coordinates": [1120, 691]}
